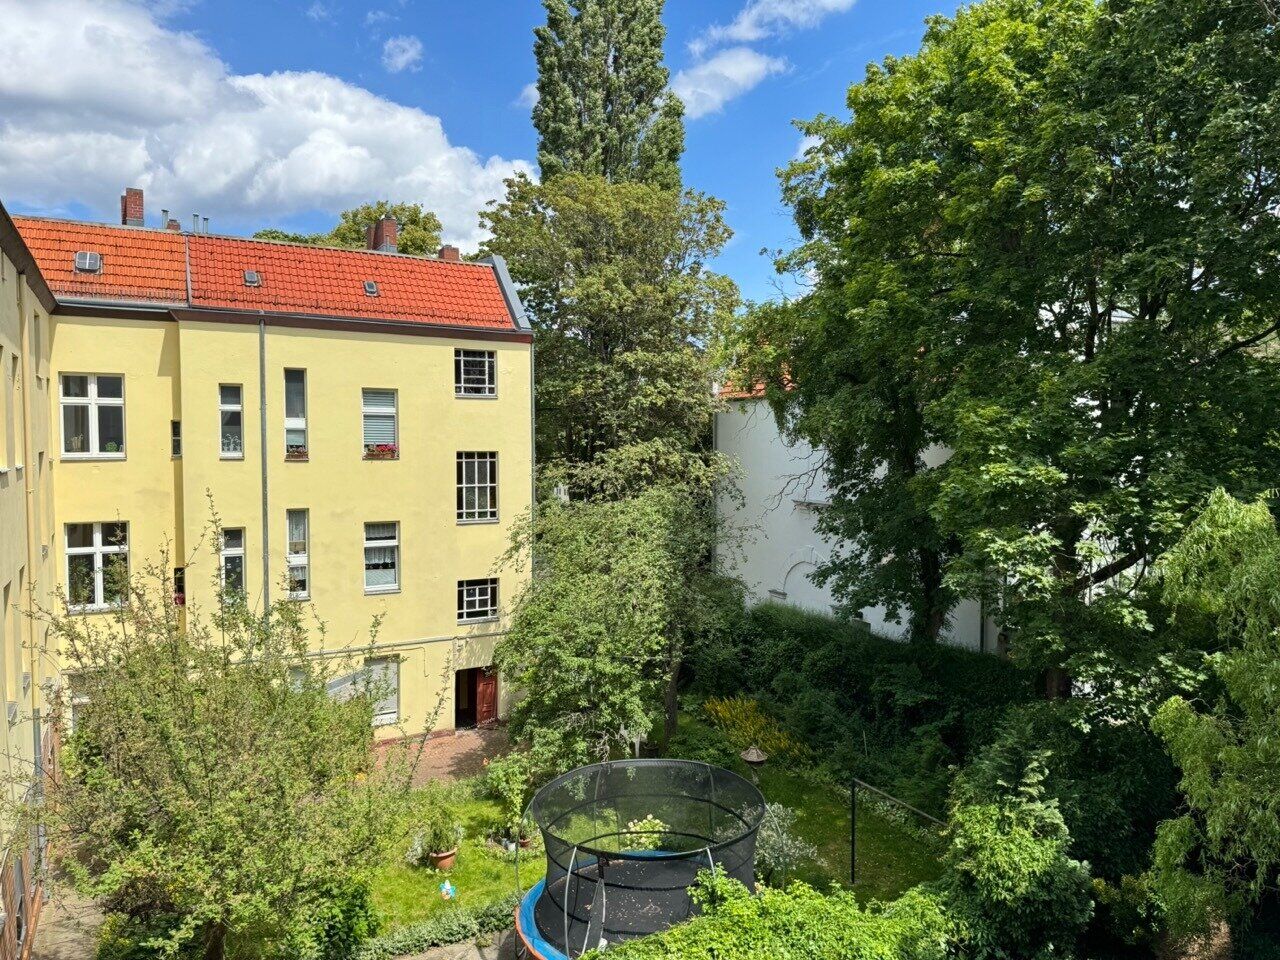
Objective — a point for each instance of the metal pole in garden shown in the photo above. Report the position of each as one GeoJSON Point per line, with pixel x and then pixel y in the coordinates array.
{"type": "Point", "coordinates": [853, 832]}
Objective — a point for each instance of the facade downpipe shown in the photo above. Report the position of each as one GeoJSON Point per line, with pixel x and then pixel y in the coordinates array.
{"type": "Point", "coordinates": [262, 431]}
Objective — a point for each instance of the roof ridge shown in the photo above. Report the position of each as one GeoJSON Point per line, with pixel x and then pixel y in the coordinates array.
{"type": "Point", "coordinates": [293, 244]}
{"type": "Point", "coordinates": [104, 226]}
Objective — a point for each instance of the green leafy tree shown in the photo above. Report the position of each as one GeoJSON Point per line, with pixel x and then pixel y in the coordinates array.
{"type": "Point", "coordinates": [212, 792]}
{"type": "Point", "coordinates": [1222, 854]}
{"type": "Point", "coordinates": [614, 278]}
{"type": "Point", "coordinates": [603, 104]}
{"type": "Point", "coordinates": [597, 639]}
{"type": "Point", "coordinates": [1054, 255]}
{"type": "Point", "coordinates": [419, 229]}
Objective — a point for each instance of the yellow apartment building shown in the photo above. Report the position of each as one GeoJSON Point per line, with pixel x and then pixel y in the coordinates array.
{"type": "Point", "coordinates": [28, 557]}
{"type": "Point", "coordinates": [360, 420]}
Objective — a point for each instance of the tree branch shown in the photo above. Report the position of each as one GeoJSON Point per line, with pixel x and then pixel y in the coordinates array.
{"type": "Point", "coordinates": [1107, 571]}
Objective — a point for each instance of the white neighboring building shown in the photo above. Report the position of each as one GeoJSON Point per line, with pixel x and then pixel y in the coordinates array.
{"type": "Point", "coordinates": [783, 488]}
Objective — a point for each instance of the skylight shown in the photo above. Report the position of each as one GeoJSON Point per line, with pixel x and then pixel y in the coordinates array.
{"type": "Point", "coordinates": [88, 261]}
{"type": "Point", "coordinates": [252, 278]}
{"type": "Point", "coordinates": [370, 288]}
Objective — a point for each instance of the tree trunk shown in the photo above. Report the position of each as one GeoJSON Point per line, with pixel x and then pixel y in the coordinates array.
{"type": "Point", "coordinates": [928, 621]}
{"type": "Point", "coordinates": [215, 942]}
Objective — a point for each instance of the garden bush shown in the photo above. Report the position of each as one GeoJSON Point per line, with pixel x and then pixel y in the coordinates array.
{"type": "Point", "coordinates": [898, 715]}
{"type": "Point", "coordinates": [706, 744]}
{"type": "Point", "coordinates": [798, 923]}
{"type": "Point", "coordinates": [451, 926]}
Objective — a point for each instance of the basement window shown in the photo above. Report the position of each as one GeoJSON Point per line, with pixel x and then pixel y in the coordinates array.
{"type": "Point", "coordinates": [88, 261]}
{"type": "Point", "coordinates": [370, 288]}
{"type": "Point", "coordinates": [252, 278]}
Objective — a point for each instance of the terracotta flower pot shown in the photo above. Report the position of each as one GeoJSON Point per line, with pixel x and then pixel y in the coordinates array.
{"type": "Point", "coordinates": [444, 861]}
{"type": "Point", "coordinates": [525, 842]}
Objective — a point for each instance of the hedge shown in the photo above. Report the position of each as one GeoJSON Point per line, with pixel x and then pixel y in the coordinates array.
{"type": "Point", "coordinates": [451, 926]}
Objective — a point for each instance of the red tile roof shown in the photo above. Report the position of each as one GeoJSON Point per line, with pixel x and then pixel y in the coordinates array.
{"type": "Point", "coordinates": [151, 266]}
{"type": "Point", "coordinates": [326, 282]}
{"type": "Point", "coordinates": [137, 265]}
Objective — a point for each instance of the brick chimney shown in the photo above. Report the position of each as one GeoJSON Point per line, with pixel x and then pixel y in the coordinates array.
{"type": "Point", "coordinates": [131, 207]}
{"type": "Point", "coordinates": [450, 253]}
{"type": "Point", "coordinates": [383, 234]}
{"type": "Point", "coordinates": [173, 225]}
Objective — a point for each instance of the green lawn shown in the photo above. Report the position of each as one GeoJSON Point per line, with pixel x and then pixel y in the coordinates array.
{"type": "Point", "coordinates": [405, 894]}
{"type": "Point", "coordinates": [890, 859]}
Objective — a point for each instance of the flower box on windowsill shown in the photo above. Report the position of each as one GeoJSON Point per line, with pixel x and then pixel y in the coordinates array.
{"type": "Point", "coordinates": [381, 451]}
{"type": "Point", "coordinates": [295, 453]}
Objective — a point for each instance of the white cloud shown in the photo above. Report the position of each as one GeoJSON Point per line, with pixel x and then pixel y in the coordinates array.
{"type": "Point", "coordinates": [766, 18]}
{"type": "Point", "coordinates": [375, 17]}
{"type": "Point", "coordinates": [134, 103]}
{"type": "Point", "coordinates": [706, 87]}
{"type": "Point", "coordinates": [528, 96]}
{"type": "Point", "coordinates": [320, 12]}
{"type": "Point", "coordinates": [402, 53]}
{"type": "Point", "coordinates": [807, 143]}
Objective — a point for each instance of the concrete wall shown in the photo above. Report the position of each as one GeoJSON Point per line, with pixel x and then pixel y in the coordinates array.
{"type": "Point", "coordinates": [783, 488]}
{"type": "Point", "coordinates": [172, 371]}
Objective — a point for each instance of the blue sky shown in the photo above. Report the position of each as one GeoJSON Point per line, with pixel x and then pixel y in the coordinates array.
{"type": "Point", "coordinates": [281, 112]}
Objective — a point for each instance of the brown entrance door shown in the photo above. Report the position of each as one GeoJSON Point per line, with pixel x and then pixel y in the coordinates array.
{"type": "Point", "coordinates": [486, 696]}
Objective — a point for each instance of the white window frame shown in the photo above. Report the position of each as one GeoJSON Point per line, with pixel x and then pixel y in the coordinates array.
{"type": "Point", "coordinates": [469, 609]}
{"type": "Point", "coordinates": [488, 514]}
{"type": "Point", "coordinates": [223, 453]}
{"type": "Point", "coordinates": [391, 667]}
{"type": "Point", "coordinates": [99, 551]}
{"type": "Point", "coordinates": [392, 542]}
{"type": "Point", "coordinates": [368, 411]}
{"type": "Point", "coordinates": [225, 553]}
{"type": "Point", "coordinates": [92, 402]}
{"type": "Point", "coordinates": [295, 559]}
{"type": "Point", "coordinates": [295, 423]}
{"type": "Point", "coordinates": [486, 390]}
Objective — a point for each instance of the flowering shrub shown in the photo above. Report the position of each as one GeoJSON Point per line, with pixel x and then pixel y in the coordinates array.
{"type": "Point", "coordinates": [744, 723]}
{"type": "Point", "coordinates": [647, 833]}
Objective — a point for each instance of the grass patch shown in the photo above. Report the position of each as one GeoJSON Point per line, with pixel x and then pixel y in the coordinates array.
{"type": "Point", "coordinates": [403, 894]}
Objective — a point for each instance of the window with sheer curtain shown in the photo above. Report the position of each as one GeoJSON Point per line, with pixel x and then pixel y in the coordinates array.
{"type": "Point", "coordinates": [381, 557]}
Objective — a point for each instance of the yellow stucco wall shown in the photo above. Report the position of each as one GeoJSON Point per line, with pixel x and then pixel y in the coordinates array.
{"type": "Point", "coordinates": [26, 549]}
{"type": "Point", "coordinates": [173, 370]}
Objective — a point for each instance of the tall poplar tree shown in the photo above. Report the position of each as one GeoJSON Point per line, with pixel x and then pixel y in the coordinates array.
{"type": "Point", "coordinates": [603, 104]}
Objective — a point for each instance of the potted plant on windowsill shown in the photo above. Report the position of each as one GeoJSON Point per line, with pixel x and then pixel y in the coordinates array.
{"type": "Point", "coordinates": [380, 451]}
{"type": "Point", "coordinates": [295, 452]}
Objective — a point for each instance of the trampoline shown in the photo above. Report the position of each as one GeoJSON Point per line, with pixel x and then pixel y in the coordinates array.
{"type": "Point", "coordinates": [624, 842]}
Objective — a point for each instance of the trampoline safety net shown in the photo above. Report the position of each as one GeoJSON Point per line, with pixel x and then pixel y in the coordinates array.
{"type": "Point", "coordinates": [625, 840]}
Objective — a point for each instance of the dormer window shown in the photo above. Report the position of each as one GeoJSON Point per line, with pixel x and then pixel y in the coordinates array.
{"type": "Point", "coordinates": [88, 261]}
{"type": "Point", "coordinates": [252, 278]}
{"type": "Point", "coordinates": [370, 288]}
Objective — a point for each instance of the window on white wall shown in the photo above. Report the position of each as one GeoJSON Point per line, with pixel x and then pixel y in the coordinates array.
{"type": "Point", "coordinates": [97, 564]}
{"type": "Point", "coordinates": [477, 600]}
{"type": "Point", "coordinates": [92, 415]}
{"type": "Point", "coordinates": [231, 421]}
{"type": "Point", "coordinates": [477, 494]}
{"type": "Point", "coordinates": [232, 560]}
{"type": "Point", "coordinates": [298, 554]}
{"type": "Point", "coordinates": [381, 557]}
{"type": "Point", "coordinates": [295, 414]}
{"type": "Point", "coordinates": [379, 426]}
{"type": "Point", "coordinates": [383, 676]}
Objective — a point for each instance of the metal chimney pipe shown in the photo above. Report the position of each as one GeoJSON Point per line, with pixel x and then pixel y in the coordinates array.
{"type": "Point", "coordinates": [205, 227]}
{"type": "Point", "coordinates": [195, 223]}
{"type": "Point", "coordinates": [164, 217]}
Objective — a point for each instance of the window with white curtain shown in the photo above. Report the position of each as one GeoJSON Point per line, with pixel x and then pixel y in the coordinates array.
{"type": "Point", "coordinates": [295, 414]}
{"type": "Point", "coordinates": [477, 487]}
{"type": "Point", "coordinates": [383, 676]}
{"type": "Point", "coordinates": [381, 440]}
{"type": "Point", "coordinates": [92, 414]}
{"type": "Point", "coordinates": [297, 554]}
{"type": "Point", "coordinates": [97, 564]}
{"type": "Point", "coordinates": [381, 557]}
